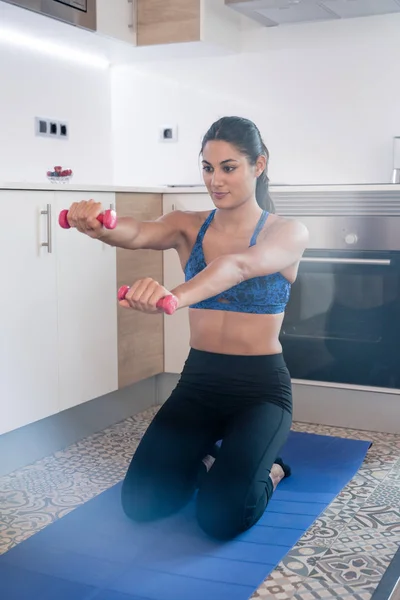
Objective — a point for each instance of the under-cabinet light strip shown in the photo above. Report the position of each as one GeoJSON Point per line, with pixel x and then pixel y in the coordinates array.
{"type": "Point", "coordinates": [13, 37]}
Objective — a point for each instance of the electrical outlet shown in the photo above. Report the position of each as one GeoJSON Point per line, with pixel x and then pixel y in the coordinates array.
{"type": "Point", "coordinates": [63, 131]}
{"type": "Point", "coordinates": [41, 127]}
{"type": "Point", "coordinates": [51, 128]}
{"type": "Point", "coordinates": [169, 133]}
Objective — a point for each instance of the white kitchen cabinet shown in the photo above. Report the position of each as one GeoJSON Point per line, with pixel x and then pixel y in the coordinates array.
{"type": "Point", "coordinates": [87, 310]}
{"type": "Point", "coordinates": [176, 327]}
{"type": "Point", "coordinates": [116, 19]}
{"type": "Point", "coordinates": [28, 309]}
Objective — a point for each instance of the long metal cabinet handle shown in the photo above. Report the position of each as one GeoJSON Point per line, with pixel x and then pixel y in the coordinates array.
{"type": "Point", "coordinates": [347, 261]}
{"type": "Point", "coordinates": [132, 16]}
{"type": "Point", "coordinates": [48, 244]}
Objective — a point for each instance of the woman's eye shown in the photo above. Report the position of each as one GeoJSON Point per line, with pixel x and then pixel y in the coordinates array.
{"type": "Point", "coordinates": [226, 169]}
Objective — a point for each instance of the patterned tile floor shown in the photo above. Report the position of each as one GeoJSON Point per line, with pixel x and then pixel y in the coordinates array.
{"type": "Point", "coordinates": [343, 555]}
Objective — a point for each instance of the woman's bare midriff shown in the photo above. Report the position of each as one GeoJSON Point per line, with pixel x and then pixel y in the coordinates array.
{"type": "Point", "coordinates": [226, 332]}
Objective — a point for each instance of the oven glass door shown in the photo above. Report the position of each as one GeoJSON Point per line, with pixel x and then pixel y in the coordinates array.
{"type": "Point", "coordinates": [342, 323]}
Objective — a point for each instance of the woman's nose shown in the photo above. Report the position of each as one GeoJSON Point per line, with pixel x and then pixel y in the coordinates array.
{"type": "Point", "coordinates": [217, 179]}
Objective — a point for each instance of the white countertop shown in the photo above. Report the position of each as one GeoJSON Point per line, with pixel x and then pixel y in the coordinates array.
{"type": "Point", "coordinates": [196, 189]}
{"type": "Point", "coordinates": [71, 187]}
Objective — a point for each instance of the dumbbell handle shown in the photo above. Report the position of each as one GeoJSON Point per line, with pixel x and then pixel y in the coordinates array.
{"type": "Point", "coordinates": [168, 304]}
{"type": "Point", "coordinates": [108, 219]}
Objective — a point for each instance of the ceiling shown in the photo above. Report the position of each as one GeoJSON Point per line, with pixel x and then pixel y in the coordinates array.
{"type": "Point", "coordinates": [272, 13]}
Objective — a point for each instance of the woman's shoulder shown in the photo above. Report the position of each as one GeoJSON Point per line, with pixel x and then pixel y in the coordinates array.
{"type": "Point", "coordinates": [190, 218]}
{"type": "Point", "coordinates": [288, 226]}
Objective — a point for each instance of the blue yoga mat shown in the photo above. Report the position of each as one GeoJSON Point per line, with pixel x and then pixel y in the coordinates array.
{"type": "Point", "coordinates": [95, 552]}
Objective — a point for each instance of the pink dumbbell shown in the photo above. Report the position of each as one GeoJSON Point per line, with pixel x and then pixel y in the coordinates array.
{"type": "Point", "coordinates": [108, 219]}
{"type": "Point", "coordinates": [168, 304]}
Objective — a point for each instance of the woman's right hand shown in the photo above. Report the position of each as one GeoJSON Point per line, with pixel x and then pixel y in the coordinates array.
{"type": "Point", "coordinates": [83, 216]}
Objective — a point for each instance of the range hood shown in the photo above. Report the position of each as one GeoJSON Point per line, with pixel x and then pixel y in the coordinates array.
{"type": "Point", "coordinates": [271, 13]}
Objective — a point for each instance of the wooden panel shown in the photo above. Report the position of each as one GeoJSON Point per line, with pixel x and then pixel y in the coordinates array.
{"type": "Point", "coordinates": [176, 327]}
{"type": "Point", "coordinates": [167, 21]}
{"type": "Point", "coordinates": [140, 336]}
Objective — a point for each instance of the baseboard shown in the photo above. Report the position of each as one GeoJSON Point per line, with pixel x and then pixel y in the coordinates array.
{"type": "Point", "coordinates": [367, 410]}
{"type": "Point", "coordinates": [31, 443]}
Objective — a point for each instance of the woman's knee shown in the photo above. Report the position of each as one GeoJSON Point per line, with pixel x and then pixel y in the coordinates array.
{"type": "Point", "coordinates": [221, 516]}
{"type": "Point", "coordinates": [226, 510]}
{"type": "Point", "coordinates": [148, 497]}
{"type": "Point", "coordinates": [136, 502]}
{"type": "Point", "coordinates": [141, 496]}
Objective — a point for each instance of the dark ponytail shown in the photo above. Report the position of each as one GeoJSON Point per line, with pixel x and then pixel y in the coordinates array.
{"type": "Point", "coordinates": [245, 135]}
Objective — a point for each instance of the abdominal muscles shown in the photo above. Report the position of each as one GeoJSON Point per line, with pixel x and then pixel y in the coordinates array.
{"type": "Point", "coordinates": [237, 333]}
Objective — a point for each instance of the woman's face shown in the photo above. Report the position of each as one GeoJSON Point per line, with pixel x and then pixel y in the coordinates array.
{"type": "Point", "coordinates": [228, 175]}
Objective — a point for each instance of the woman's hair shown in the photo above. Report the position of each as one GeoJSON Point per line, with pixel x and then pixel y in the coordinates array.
{"type": "Point", "coordinates": [245, 135]}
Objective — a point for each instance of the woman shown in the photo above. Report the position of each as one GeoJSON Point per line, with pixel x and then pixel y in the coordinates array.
{"type": "Point", "coordinates": [239, 260]}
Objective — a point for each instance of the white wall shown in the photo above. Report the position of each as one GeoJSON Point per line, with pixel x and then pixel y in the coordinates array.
{"type": "Point", "coordinates": [142, 103]}
{"type": "Point", "coordinates": [36, 85]}
{"type": "Point", "coordinates": [326, 97]}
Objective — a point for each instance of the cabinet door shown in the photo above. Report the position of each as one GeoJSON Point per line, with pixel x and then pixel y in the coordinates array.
{"type": "Point", "coordinates": [203, 27]}
{"type": "Point", "coordinates": [176, 327]}
{"type": "Point", "coordinates": [117, 19]}
{"type": "Point", "coordinates": [87, 310]}
{"type": "Point", "coordinates": [170, 22]}
{"type": "Point", "coordinates": [28, 309]}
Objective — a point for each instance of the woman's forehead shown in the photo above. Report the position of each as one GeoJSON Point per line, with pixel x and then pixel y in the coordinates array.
{"type": "Point", "coordinates": [219, 151]}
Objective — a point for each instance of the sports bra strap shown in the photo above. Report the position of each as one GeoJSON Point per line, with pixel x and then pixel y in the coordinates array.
{"type": "Point", "coordinates": [205, 226]}
{"type": "Point", "coordinates": [258, 228]}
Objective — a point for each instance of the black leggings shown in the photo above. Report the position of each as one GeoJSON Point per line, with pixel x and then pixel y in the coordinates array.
{"type": "Point", "coordinates": [246, 402]}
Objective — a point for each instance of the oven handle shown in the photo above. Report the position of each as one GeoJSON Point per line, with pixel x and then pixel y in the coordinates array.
{"type": "Point", "coordinates": [348, 261]}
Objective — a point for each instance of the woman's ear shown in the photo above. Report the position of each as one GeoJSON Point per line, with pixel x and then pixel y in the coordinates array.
{"type": "Point", "coordinates": [261, 164]}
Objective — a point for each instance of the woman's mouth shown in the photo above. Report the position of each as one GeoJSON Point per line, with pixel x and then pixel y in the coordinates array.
{"type": "Point", "coordinates": [220, 195]}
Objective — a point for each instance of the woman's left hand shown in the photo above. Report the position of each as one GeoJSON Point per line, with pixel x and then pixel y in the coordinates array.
{"type": "Point", "coordinates": [144, 295]}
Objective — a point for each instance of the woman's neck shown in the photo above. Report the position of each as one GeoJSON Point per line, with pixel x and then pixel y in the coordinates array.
{"type": "Point", "coordinates": [242, 218]}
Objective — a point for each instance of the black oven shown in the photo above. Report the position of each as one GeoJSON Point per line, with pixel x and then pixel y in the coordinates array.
{"type": "Point", "coordinates": [342, 323]}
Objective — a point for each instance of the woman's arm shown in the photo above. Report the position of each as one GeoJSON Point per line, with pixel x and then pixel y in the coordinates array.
{"type": "Point", "coordinates": [161, 234]}
{"type": "Point", "coordinates": [282, 248]}
{"type": "Point", "coordinates": [131, 234]}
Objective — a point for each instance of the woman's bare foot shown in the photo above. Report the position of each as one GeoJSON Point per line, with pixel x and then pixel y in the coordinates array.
{"type": "Point", "coordinates": [276, 474]}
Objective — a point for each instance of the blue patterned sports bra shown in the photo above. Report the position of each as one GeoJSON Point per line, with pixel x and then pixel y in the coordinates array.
{"type": "Point", "coordinates": [268, 294]}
